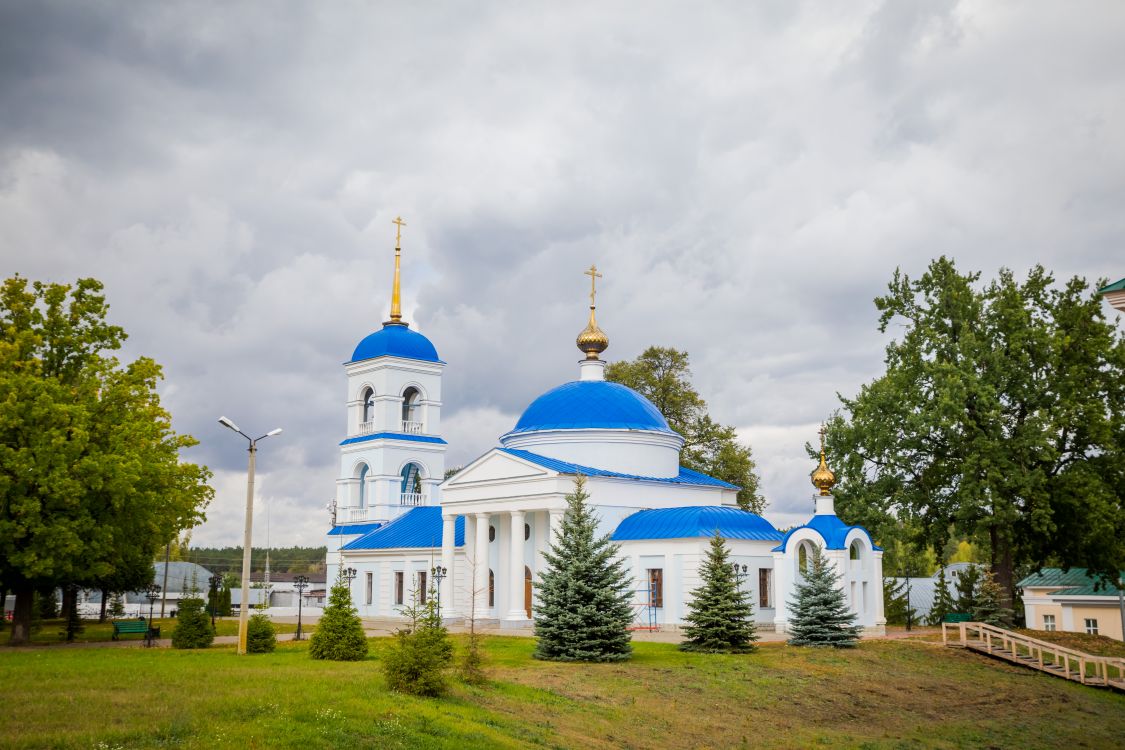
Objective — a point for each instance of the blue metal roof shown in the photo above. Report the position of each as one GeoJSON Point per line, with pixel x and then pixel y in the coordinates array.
{"type": "Point", "coordinates": [393, 436]}
{"type": "Point", "coordinates": [396, 340]}
{"type": "Point", "coordinates": [686, 476]}
{"type": "Point", "coordinates": [417, 527]}
{"type": "Point", "coordinates": [831, 529]}
{"type": "Point", "coordinates": [695, 521]}
{"type": "Point", "coordinates": [591, 404]}
{"type": "Point", "coordinates": [351, 529]}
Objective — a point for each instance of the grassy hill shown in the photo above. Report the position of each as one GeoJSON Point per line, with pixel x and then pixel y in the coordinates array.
{"type": "Point", "coordinates": [886, 694]}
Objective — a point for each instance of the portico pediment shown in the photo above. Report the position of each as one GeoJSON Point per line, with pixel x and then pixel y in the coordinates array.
{"type": "Point", "coordinates": [496, 466]}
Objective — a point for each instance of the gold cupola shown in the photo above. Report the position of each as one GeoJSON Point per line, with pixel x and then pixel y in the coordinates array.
{"type": "Point", "coordinates": [822, 477]}
{"type": "Point", "coordinates": [592, 341]}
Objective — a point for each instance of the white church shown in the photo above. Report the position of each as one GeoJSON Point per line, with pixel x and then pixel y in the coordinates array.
{"type": "Point", "coordinates": [396, 519]}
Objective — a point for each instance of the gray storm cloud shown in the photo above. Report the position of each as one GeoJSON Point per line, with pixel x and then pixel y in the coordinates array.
{"type": "Point", "coordinates": [747, 177]}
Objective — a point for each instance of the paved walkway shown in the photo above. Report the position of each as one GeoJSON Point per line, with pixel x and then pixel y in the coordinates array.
{"type": "Point", "coordinates": [375, 628]}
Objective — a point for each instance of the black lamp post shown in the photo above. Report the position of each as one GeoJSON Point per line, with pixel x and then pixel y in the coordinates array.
{"type": "Point", "coordinates": [214, 581]}
{"type": "Point", "coordinates": [300, 583]}
{"type": "Point", "coordinates": [439, 574]}
{"type": "Point", "coordinates": [348, 574]}
{"type": "Point", "coordinates": [152, 593]}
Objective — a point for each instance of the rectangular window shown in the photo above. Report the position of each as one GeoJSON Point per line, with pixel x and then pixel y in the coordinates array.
{"type": "Point", "coordinates": [656, 587]}
{"type": "Point", "coordinates": [765, 581]}
{"type": "Point", "coordinates": [422, 592]}
{"type": "Point", "coordinates": [1048, 622]}
{"type": "Point", "coordinates": [367, 597]}
{"type": "Point", "coordinates": [1091, 626]}
{"type": "Point", "coordinates": [398, 586]}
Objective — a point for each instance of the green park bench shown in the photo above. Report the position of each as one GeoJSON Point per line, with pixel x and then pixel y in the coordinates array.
{"type": "Point", "coordinates": [957, 617]}
{"type": "Point", "coordinates": [133, 626]}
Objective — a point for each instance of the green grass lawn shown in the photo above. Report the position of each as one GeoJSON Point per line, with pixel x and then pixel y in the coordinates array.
{"type": "Point", "coordinates": [885, 694]}
{"type": "Point", "coordinates": [50, 631]}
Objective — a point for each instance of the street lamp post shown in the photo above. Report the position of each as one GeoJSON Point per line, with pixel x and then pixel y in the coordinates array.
{"type": "Point", "coordinates": [300, 583]}
{"type": "Point", "coordinates": [152, 593]}
{"type": "Point", "coordinates": [214, 594]}
{"type": "Point", "coordinates": [244, 613]}
{"type": "Point", "coordinates": [439, 574]}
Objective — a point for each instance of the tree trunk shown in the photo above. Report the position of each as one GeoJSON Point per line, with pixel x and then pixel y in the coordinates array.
{"type": "Point", "coordinates": [21, 617]}
{"type": "Point", "coordinates": [1000, 557]}
{"type": "Point", "coordinates": [101, 614]}
{"type": "Point", "coordinates": [69, 601]}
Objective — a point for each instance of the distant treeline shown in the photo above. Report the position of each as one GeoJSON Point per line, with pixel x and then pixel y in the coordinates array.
{"type": "Point", "coordinates": [282, 559]}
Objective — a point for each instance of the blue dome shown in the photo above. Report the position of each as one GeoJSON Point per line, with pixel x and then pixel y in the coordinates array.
{"type": "Point", "coordinates": [395, 340]}
{"type": "Point", "coordinates": [591, 404]}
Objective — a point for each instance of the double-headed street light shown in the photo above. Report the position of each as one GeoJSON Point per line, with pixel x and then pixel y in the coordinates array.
{"type": "Point", "coordinates": [244, 613]}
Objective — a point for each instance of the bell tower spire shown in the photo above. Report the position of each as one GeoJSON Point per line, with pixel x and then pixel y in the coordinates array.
{"type": "Point", "coordinates": [396, 290]}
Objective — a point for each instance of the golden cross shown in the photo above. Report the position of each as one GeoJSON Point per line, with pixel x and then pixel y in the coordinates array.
{"type": "Point", "coordinates": [594, 276]}
{"type": "Point", "coordinates": [399, 224]}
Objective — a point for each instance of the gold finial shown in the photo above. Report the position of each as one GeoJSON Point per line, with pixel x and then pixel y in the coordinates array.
{"type": "Point", "coordinates": [396, 294]}
{"type": "Point", "coordinates": [592, 340]}
{"type": "Point", "coordinates": [823, 478]}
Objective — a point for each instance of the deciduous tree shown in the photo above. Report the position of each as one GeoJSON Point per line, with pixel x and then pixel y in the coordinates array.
{"type": "Point", "coordinates": [1000, 419]}
{"type": "Point", "coordinates": [90, 470]}
{"type": "Point", "coordinates": [662, 375]}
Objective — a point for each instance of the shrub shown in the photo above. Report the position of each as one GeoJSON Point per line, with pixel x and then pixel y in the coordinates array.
{"type": "Point", "coordinates": [418, 660]}
{"type": "Point", "coordinates": [339, 635]}
{"type": "Point", "coordinates": [261, 638]}
{"type": "Point", "coordinates": [193, 628]}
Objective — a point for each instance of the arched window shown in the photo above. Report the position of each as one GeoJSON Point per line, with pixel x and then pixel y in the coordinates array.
{"type": "Point", "coordinates": [803, 557]}
{"type": "Point", "coordinates": [410, 418]}
{"type": "Point", "coordinates": [854, 550]}
{"type": "Point", "coordinates": [368, 405]}
{"type": "Point", "coordinates": [411, 487]}
{"type": "Point", "coordinates": [363, 486]}
{"type": "Point", "coordinates": [491, 589]}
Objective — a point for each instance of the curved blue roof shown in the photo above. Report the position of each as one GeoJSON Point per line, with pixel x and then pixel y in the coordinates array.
{"type": "Point", "coordinates": [831, 529]}
{"type": "Point", "coordinates": [695, 521]}
{"type": "Point", "coordinates": [417, 527]}
{"type": "Point", "coordinates": [395, 340]}
{"type": "Point", "coordinates": [686, 475]}
{"type": "Point", "coordinates": [591, 404]}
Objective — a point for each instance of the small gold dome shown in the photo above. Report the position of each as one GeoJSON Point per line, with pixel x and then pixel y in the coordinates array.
{"type": "Point", "coordinates": [592, 341]}
{"type": "Point", "coordinates": [822, 477]}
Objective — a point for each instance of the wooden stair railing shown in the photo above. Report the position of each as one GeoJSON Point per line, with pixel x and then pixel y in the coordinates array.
{"type": "Point", "coordinates": [1106, 671]}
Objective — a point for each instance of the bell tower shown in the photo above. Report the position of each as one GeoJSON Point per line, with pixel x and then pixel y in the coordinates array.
{"type": "Point", "coordinates": [393, 456]}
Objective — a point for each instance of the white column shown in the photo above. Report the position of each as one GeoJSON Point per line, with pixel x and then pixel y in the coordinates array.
{"type": "Point", "coordinates": [480, 558]}
{"type": "Point", "coordinates": [780, 591]}
{"type": "Point", "coordinates": [464, 594]}
{"type": "Point", "coordinates": [448, 539]}
{"type": "Point", "coordinates": [556, 525]}
{"type": "Point", "coordinates": [515, 569]}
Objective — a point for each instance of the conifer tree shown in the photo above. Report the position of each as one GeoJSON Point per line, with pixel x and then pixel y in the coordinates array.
{"type": "Point", "coordinates": [117, 605]}
{"type": "Point", "coordinates": [418, 661]}
{"type": "Point", "coordinates": [943, 600]}
{"type": "Point", "coordinates": [896, 602]}
{"type": "Point", "coordinates": [720, 614]}
{"type": "Point", "coordinates": [584, 610]}
{"type": "Point", "coordinates": [339, 635]}
{"type": "Point", "coordinates": [967, 582]}
{"type": "Point", "coordinates": [820, 614]}
{"type": "Point", "coordinates": [261, 637]}
{"type": "Point", "coordinates": [990, 607]}
{"type": "Point", "coordinates": [193, 627]}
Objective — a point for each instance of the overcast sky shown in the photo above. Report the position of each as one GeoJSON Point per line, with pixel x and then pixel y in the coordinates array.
{"type": "Point", "coordinates": [746, 175]}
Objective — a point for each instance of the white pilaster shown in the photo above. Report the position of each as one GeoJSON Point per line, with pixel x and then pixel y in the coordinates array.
{"type": "Point", "coordinates": [448, 539]}
{"type": "Point", "coordinates": [781, 592]}
{"type": "Point", "coordinates": [480, 558]}
{"type": "Point", "coordinates": [877, 589]}
{"type": "Point", "coordinates": [515, 569]}
{"type": "Point", "coordinates": [556, 525]}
